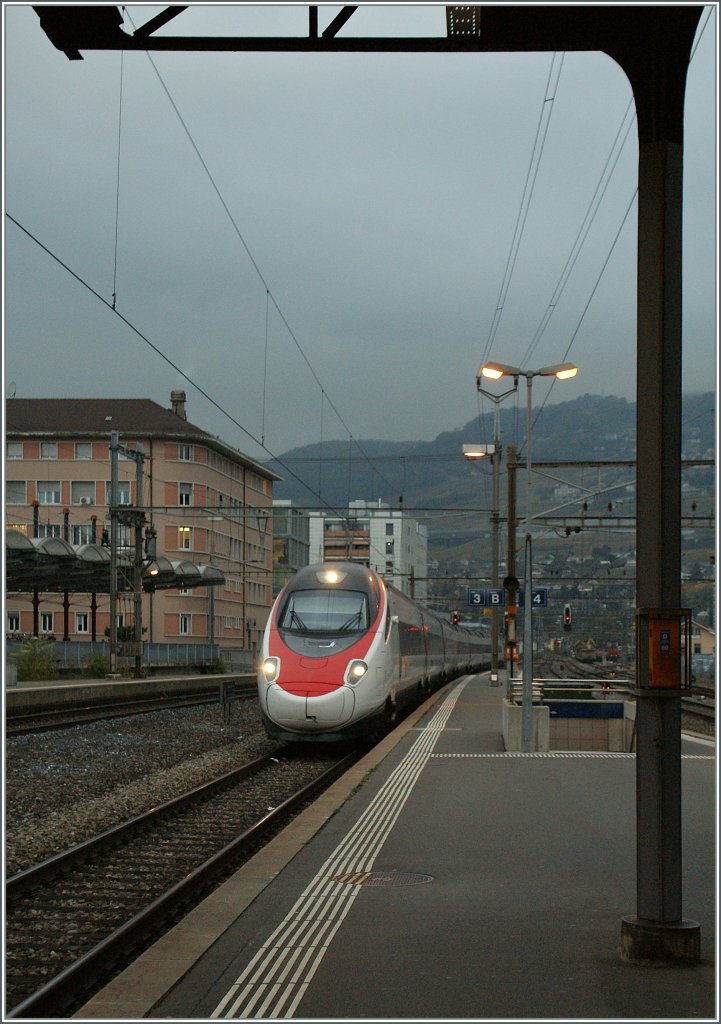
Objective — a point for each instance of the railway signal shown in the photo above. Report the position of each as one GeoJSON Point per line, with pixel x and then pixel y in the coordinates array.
{"type": "Point", "coordinates": [567, 618]}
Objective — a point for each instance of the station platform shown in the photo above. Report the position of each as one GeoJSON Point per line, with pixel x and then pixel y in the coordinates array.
{"type": "Point", "coordinates": [443, 878]}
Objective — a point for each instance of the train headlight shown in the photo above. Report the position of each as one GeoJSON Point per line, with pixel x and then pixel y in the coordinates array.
{"type": "Point", "coordinates": [331, 576]}
{"type": "Point", "coordinates": [355, 671]}
{"type": "Point", "coordinates": [270, 669]}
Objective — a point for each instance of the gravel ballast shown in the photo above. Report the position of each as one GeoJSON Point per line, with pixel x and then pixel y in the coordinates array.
{"type": "Point", "coordinates": [64, 786]}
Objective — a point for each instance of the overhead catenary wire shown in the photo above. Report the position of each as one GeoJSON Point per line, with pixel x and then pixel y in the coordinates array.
{"type": "Point", "coordinates": [539, 142]}
{"type": "Point", "coordinates": [583, 231]}
{"type": "Point", "coordinates": [117, 183]}
{"type": "Point", "coordinates": [278, 459]}
{"type": "Point", "coordinates": [588, 220]}
{"type": "Point", "coordinates": [253, 261]}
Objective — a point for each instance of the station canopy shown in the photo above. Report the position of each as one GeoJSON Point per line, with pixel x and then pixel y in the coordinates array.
{"type": "Point", "coordinates": [53, 565]}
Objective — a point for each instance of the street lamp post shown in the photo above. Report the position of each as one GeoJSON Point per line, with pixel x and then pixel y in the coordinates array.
{"type": "Point", "coordinates": [479, 451]}
{"type": "Point", "coordinates": [494, 371]}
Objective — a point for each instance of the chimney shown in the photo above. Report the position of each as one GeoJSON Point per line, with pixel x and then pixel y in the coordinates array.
{"type": "Point", "coordinates": [177, 399]}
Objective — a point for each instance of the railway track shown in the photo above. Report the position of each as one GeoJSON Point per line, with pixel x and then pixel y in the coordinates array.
{"type": "Point", "coordinates": [698, 707]}
{"type": "Point", "coordinates": [44, 719]}
{"type": "Point", "coordinates": [78, 918]}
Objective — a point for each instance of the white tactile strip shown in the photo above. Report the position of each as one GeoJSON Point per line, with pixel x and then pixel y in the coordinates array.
{"type": "Point", "coordinates": [571, 754]}
{"type": "Point", "coordinates": [274, 982]}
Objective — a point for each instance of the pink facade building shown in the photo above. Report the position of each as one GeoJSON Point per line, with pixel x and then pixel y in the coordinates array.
{"type": "Point", "coordinates": [206, 502]}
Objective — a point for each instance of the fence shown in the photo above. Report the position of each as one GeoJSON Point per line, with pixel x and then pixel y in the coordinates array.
{"type": "Point", "coordinates": [74, 655]}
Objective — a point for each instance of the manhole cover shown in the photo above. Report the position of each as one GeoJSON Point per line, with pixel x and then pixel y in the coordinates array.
{"type": "Point", "coordinates": [385, 878]}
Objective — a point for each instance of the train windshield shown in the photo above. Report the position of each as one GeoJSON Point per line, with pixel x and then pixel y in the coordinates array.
{"type": "Point", "coordinates": [325, 611]}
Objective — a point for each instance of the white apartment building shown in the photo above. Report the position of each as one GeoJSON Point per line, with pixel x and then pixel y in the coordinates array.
{"type": "Point", "coordinates": [385, 539]}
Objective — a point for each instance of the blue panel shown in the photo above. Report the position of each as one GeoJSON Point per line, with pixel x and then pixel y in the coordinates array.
{"type": "Point", "coordinates": [585, 708]}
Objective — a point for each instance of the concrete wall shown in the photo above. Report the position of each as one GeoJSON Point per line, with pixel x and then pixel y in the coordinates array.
{"type": "Point", "coordinates": [512, 717]}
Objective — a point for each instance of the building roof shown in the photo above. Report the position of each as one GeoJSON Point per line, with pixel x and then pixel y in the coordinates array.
{"type": "Point", "coordinates": [96, 417]}
{"type": "Point", "coordinates": [53, 565]}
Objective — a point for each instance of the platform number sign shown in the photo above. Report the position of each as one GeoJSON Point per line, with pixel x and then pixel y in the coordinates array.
{"type": "Point", "coordinates": [539, 598]}
{"type": "Point", "coordinates": [496, 598]}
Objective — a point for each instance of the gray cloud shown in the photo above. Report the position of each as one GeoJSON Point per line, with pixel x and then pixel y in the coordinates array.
{"type": "Point", "coordinates": [378, 196]}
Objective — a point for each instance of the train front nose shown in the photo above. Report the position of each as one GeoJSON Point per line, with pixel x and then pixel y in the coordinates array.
{"type": "Point", "coordinates": [310, 706]}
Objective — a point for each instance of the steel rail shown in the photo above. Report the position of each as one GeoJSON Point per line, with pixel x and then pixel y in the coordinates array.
{"type": "Point", "coordinates": [77, 979]}
{"type": "Point", "coordinates": [43, 719]}
{"type": "Point", "coordinates": [71, 858]}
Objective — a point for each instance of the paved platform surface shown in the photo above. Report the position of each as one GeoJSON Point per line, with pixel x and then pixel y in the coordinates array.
{"type": "Point", "coordinates": [443, 879]}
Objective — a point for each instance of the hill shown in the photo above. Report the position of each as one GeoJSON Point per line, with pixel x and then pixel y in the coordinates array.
{"type": "Point", "coordinates": [434, 475]}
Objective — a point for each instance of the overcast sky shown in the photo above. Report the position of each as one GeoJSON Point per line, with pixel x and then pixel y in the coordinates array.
{"type": "Point", "coordinates": [356, 261]}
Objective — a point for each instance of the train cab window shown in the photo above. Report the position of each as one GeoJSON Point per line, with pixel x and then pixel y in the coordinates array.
{"type": "Point", "coordinates": [325, 612]}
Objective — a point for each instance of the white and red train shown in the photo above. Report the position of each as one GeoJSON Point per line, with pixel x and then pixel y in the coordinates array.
{"type": "Point", "coordinates": [343, 650]}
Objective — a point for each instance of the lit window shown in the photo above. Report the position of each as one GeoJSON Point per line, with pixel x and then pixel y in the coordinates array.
{"type": "Point", "coordinates": [184, 538]}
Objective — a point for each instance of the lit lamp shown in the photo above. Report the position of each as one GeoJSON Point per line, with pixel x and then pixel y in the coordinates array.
{"type": "Point", "coordinates": [494, 371]}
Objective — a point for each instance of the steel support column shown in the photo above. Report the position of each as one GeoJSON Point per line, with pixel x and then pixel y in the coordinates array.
{"type": "Point", "coordinates": [657, 933]}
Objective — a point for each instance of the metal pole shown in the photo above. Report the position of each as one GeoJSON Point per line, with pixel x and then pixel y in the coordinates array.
{"type": "Point", "coordinates": [511, 567]}
{"type": "Point", "coordinates": [138, 574]}
{"type": "Point", "coordinates": [114, 444]}
{"type": "Point", "coordinates": [496, 466]}
{"type": "Point", "coordinates": [527, 714]}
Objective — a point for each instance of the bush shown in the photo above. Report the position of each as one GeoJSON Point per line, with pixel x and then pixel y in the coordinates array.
{"type": "Point", "coordinates": [96, 666]}
{"type": "Point", "coordinates": [215, 668]}
{"type": "Point", "coordinates": [36, 660]}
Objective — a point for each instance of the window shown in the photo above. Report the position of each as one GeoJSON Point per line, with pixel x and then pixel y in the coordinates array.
{"type": "Point", "coordinates": [123, 492]}
{"type": "Point", "coordinates": [83, 534]}
{"type": "Point", "coordinates": [82, 492]}
{"type": "Point", "coordinates": [13, 622]}
{"type": "Point", "coordinates": [81, 622]}
{"type": "Point", "coordinates": [325, 612]}
{"type": "Point", "coordinates": [83, 450]}
{"type": "Point", "coordinates": [46, 622]}
{"type": "Point", "coordinates": [48, 450]}
{"type": "Point", "coordinates": [389, 529]}
{"type": "Point", "coordinates": [185, 452]}
{"type": "Point", "coordinates": [49, 492]}
{"type": "Point", "coordinates": [14, 450]}
{"type": "Point", "coordinates": [48, 529]}
{"type": "Point", "coordinates": [185, 494]}
{"type": "Point", "coordinates": [185, 625]}
{"type": "Point", "coordinates": [16, 492]}
{"type": "Point", "coordinates": [184, 538]}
